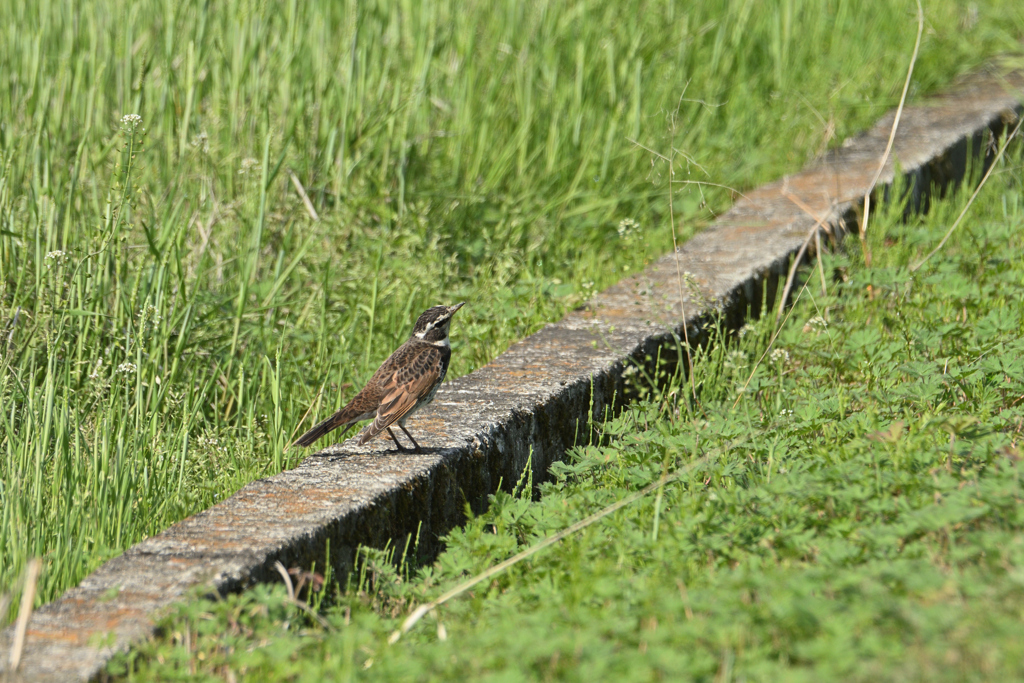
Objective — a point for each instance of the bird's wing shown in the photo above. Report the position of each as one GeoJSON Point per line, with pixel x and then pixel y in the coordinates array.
{"type": "Point", "coordinates": [412, 380]}
{"type": "Point", "coordinates": [361, 407]}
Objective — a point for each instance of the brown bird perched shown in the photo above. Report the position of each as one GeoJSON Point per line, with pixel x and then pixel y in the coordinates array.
{"type": "Point", "coordinates": [405, 382]}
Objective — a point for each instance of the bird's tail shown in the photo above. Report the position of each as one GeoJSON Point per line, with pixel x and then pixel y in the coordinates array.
{"type": "Point", "coordinates": [339, 419]}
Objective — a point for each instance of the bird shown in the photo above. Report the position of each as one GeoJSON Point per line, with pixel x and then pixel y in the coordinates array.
{"type": "Point", "coordinates": [404, 383]}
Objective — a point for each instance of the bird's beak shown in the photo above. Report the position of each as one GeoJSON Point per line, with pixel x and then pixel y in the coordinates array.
{"type": "Point", "coordinates": [453, 309]}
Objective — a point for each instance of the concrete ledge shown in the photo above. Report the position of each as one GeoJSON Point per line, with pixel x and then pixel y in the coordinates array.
{"type": "Point", "coordinates": [535, 400]}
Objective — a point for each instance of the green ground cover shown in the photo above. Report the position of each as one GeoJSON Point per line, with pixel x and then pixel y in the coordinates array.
{"type": "Point", "coordinates": [169, 309]}
{"type": "Point", "coordinates": [850, 509]}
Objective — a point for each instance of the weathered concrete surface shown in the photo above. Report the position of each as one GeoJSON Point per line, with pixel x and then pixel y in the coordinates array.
{"type": "Point", "coordinates": [535, 400]}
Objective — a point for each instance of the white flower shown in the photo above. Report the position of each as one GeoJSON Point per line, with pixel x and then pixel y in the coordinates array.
{"type": "Point", "coordinates": [126, 368]}
{"type": "Point", "coordinates": [148, 314]}
{"type": "Point", "coordinates": [818, 321]}
{"type": "Point", "coordinates": [95, 374]}
{"type": "Point", "coordinates": [202, 142]}
{"type": "Point", "coordinates": [131, 121]}
{"type": "Point", "coordinates": [784, 412]}
{"type": "Point", "coordinates": [248, 164]}
{"type": "Point", "coordinates": [56, 257]}
{"type": "Point", "coordinates": [746, 329]}
{"type": "Point", "coordinates": [779, 356]}
{"type": "Point", "coordinates": [629, 228]}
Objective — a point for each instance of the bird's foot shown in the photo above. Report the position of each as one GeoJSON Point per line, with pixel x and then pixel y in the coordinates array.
{"type": "Point", "coordinates": [398, 447]}
{"type": "Point", "coordinates": [416, 446]}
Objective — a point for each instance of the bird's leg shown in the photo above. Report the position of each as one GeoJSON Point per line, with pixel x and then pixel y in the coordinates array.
{"type": "Point", "coordinates": [416, 445]}
{"type": "Point", "coordinates": [395, 439]}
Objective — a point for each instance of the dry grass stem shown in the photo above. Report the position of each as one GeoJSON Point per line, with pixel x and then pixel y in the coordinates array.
{"type": "Point", "coordinates": [892, 139]}
{"type": "Point", "coordinates": [821, 267]}
{"type": "Point", "coordinates": [768, 348]}
{"type": "Point", "coordinates": [679, 278]}
{"type": "Point", "coordinates": [292, 600]}
{"type": "Point", "coordinates": [974, 196]}
{"type": "Point", "coordinates": [303, 196]}
{"type": "Point", "coordinates": [28, 597]}
{"type": "Point", "coordinates": [286, 577]}
{"type": "Point", "coordinates": [420, 611]}
{"type": "Point", "coordinates": [812, 234]}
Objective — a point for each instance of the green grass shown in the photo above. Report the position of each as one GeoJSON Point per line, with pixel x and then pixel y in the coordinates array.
{"type": "Point", "coordinates": [169, 312]}
{"type": "Point", "coordinates": [855, 513]}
